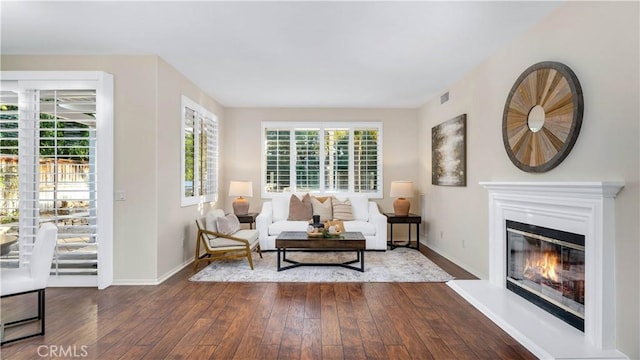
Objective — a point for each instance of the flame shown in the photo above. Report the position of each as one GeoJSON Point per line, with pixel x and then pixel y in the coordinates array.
{"type": "Point", "coordinates": [543, 266]}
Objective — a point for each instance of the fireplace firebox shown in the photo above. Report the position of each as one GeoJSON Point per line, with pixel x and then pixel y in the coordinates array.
{"type": "Point", "coordinates": [547, 267]}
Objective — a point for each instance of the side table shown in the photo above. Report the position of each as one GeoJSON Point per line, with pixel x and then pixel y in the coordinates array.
{"type": "Point", "coordinates": [250, 219]}
{"type": "Point", "coordinates": [408, 219]}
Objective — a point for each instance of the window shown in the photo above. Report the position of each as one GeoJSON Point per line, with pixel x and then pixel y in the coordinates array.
{"type": "Point", "coordinates": [199, 154]}
{"type": "Point", "coordinates": [322, 158]}
{"type": "Point", "coordinates": [56, 131]}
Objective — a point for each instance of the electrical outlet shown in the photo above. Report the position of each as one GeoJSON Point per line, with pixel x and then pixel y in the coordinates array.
{"type": "Point", "coordinates": [121, 195]}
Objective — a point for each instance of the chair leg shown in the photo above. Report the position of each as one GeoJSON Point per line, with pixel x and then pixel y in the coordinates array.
{"type": "Point", "coordinates": [250, 259]}
{"type": "Point", "coordinates": [197, 255]}
{"type": "Point", "coordinates": [41, 310]}
{"type": "Point", "coordinates": [259, 251]}
{"type": "Point", "coordinates": [41, 315]}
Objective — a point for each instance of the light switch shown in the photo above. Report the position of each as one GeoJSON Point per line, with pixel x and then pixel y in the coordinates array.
{"type": "Point", "coordinates": [121, 196]}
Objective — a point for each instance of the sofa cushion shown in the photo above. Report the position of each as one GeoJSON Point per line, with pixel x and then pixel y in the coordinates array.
{"type": "Point", "coordinates": [324, 209]}
{"type": "Point", "coordinates": [280, 205]}
{"type": "Point", "coordinates": [360, 207]}
{"type": "Point", "coordinates": [366, 228]}
{"type": "Point", "coordinates": [342, 210]}
{"type": "Point", "coordinates": [300, 209]}
{"type": "Point", "coordinates": [283, 225]}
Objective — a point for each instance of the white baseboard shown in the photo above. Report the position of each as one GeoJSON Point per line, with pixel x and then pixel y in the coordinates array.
{"type": "Point", "coordinates": [157, 281]}
{"type": "Point", "coordinates": [454, 260]}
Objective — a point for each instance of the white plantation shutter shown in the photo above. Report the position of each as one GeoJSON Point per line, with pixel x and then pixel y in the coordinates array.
{"type": "Point", "coordinates": [307, 160]}
{"type": "Point", "coordinates": [336, 160]}
{"type": "Point", "coordinates": [277, 157]}
{"type": "Point", "coordinates": [322, 158]}
{"type": "Point", "coordinates": [66, 185]}
{"type": "Point", "coordinates": [367, 160]}
{"type": "Point", "coordinates": [9, 199]}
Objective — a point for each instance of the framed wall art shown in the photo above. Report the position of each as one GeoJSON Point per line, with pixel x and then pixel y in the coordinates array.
{"type": "Point", "coordinates": [542, 116]}
{"type": "Point", "coordinates": [448, 152]}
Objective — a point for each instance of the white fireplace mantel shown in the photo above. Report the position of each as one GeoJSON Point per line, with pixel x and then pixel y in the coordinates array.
{"type": "Point", "coordinates": [585, 208]}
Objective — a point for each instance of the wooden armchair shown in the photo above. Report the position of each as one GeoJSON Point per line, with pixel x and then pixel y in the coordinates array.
{"type": "Point", "coordinates": [212, 244]}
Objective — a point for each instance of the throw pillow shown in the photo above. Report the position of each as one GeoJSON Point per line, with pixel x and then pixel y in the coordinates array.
{"type": "Point", "coordinates": [228, 224]}
{"type": "Point", "coordinates": [322, 208]}
{"type": "Point", "coordinates": [342, 209]}
{"type": "Point", "coordinates": [300, 209]}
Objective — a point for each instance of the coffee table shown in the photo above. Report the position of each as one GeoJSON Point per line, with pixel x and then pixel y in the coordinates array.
{"type": "Point", "coordinates": [299, 240]}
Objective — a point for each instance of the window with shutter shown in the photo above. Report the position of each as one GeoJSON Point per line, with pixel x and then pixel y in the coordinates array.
{"type": "Point", "coordinates": [199, 154]}
{"type": "Point", "coordinates": [322, 158]}
{"type": "Point", "coordinates": [49, 156]}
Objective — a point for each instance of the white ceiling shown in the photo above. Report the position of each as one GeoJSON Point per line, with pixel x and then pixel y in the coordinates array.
{"type": "Point", "coordinates": [284, 54]}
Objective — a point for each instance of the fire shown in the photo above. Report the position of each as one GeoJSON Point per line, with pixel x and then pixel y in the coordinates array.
{"type": "Point", "coordinates": [542, 266]}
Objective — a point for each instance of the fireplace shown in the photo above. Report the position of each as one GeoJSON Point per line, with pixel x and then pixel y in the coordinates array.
{"type": "Point", "coordinates": [570, 225]}
{"type": "Point", "coordinates": [546, 267]}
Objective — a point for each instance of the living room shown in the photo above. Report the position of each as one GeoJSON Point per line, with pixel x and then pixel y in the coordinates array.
{"type": "Point", "coordinates": [154, 237]}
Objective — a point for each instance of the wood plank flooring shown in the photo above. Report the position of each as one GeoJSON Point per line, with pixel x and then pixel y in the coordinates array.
{"type": "Point", "coordinates": [184, 320]}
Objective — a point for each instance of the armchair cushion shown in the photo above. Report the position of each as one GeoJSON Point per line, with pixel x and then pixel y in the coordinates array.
{"type": "Point", "coordinates": [211, 222]}
{"type": "Point", "coordinates": [228, 224]}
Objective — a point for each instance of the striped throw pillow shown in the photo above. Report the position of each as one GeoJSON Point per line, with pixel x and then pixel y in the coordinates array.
{"type": "Point", "coordinates": [342, 210]}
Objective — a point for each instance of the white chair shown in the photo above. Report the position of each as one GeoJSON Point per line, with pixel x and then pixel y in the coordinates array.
{"type": "Point", "coordinates": [31, 278]}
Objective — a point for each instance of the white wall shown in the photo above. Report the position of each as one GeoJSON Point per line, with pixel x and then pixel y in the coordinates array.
{"type": "Point", "coordinates": [243, 155]}
{"type": "Point", "coordinates": [600, 42]}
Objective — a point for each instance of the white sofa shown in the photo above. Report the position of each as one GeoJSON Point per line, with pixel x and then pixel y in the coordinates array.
{"type": "Point", "coordinates": [367, 219]}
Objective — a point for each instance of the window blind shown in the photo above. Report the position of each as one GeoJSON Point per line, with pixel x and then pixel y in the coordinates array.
{"type": "Point", "coordinates": [277, 170]}
{"type": "Point", "coordinates": [322, 158]}
{"type": "Point", "coordinates": [199, 154]}
{"type": "Point", "coordinates": [307, 165]}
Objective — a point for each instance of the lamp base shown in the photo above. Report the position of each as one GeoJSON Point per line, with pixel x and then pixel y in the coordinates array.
{"type": "Point", "coordinates": [241, 206]}
{"type": "Point", "coordinates": [401, 207]}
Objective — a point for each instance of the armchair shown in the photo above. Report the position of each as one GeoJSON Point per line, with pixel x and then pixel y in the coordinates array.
{"type": "Point", "coordinates": [32, 278]}
{"type": "Point", "coordinates": [217, 245]}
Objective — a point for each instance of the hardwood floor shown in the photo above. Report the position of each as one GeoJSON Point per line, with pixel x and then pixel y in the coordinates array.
{"type": "Point", "coordinates": [186, 320]}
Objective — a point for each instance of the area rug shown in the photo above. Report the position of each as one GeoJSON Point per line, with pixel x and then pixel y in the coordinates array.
{"type": "Point", "coordinates": [399, 265]}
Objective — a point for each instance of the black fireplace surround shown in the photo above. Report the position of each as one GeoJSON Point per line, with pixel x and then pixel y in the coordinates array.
{"type": "Point", "coordinates": [546, 267]}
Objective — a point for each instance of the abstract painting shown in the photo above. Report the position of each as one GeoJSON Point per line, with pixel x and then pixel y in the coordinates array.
{"type": "Point", "coordinates": [448, 152]}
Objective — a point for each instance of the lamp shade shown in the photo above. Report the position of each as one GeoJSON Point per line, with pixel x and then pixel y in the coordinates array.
{"type": "Point", "coordinates": [241, 188]}
{"type": "Point", "coordinates": [401, 189]}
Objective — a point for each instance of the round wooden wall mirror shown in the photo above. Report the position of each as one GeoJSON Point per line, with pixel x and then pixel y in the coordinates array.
{"type": "Point", "coordinates": [542, 116]}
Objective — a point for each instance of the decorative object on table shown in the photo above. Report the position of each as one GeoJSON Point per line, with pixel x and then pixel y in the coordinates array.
{"type": "Point", "coordinates": [542, 116]}
{"type": "Point", "coordinates": [316, 222]}
{"type": "Point", "coordinates": [241, 189]}
{"type": "Point", "coordinates": [314, 231]}
{"type": "Point", "coordinates": [401, 190]}
{"type": "Point", "coordinates": [448, 152]}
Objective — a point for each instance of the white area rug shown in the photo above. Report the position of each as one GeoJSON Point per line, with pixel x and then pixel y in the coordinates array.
{"type": "Point", "coordinates": [399, 265]}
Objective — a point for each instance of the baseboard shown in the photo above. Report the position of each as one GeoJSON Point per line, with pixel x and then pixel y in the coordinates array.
{"type": "Point", "coordinates": [454, 260]}
{"type": "Point", "coordinates": [157, 281]}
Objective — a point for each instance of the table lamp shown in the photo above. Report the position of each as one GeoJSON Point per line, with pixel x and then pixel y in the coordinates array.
{"type": "Point", "coordinates": [241, 189]}
{"type": "Point", "coordinates": [401, 190]}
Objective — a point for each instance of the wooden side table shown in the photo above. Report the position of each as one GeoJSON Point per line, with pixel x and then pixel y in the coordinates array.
{"type": "Point", "coordinates": [250, 219]}
{"type": "Point", "coordinates": [409, 219]}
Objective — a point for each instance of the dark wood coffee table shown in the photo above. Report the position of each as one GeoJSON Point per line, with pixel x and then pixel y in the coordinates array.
{"type": "Point", "coordinates": [299, 240]}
